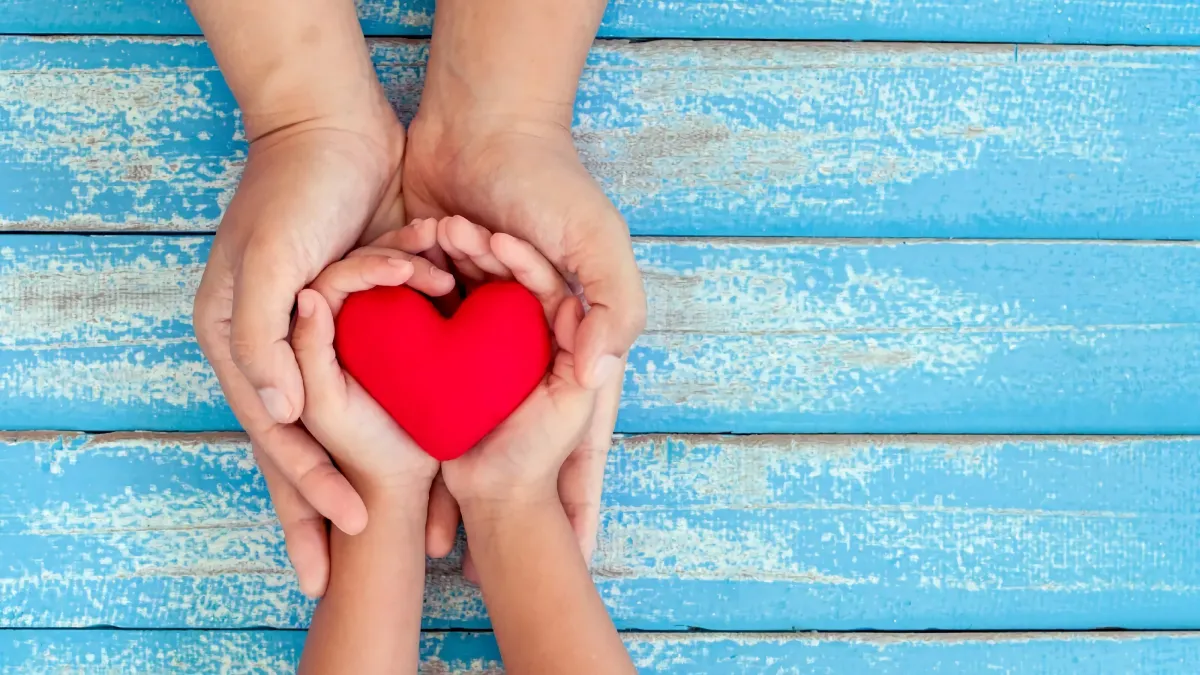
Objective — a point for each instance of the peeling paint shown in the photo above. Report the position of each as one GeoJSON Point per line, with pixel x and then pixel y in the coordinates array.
{"type": "Point", "coordinates": [687, 138]}
{"type": "Point", "coordinates": [771, 532]}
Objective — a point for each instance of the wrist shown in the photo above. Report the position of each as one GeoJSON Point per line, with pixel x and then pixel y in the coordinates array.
{"type": "Point", "coordinates": [484, 514]}
{"type": "Point", "coordinates": [519, 60]}
{"type": "Point", "coordinates": [392, 497]}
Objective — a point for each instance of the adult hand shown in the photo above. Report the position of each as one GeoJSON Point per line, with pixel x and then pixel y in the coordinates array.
{"type": "Point", "coordinates": [309, 192]}
{"type": "Point", "coordinates": [522, 176]}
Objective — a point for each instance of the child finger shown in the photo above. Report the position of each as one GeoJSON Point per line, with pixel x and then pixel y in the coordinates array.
{"type": "Point", "coordinates": [362, 271]}
{"type": "Point", "coordinates": [430, 279]}
{"type": "Point", "coordinates": [467, 269]}
{"type": "Point", "coordinates": [474, 241]}
{"type": "Point", "coordinates": [418, 236]}
{"type": "Point", "coordinates": [533, 271]}
{"type": "Point", "coordinates": [312, 342]}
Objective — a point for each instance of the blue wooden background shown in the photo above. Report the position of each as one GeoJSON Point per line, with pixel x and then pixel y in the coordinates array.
{"type": "Point", "coordinates": [957, 433]}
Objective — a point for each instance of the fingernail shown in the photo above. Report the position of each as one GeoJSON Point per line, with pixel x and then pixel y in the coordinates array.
{"type": "Point", "coordinates": [605, 368]}
{"type": "Point", "coordinates": [276, 403]}
{"type": "Point", "coordinates": [400, 264]}
{"type": "Point", "coordinates": [441, 275]}
{"type": "Point", "coordinates": [304, 306]}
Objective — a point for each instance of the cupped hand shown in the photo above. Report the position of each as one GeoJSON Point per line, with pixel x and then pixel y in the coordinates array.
{"type": "Point", "coordinates": [523, 177]}
{"type": "Point", "coordinates": [309, 192]}
{"type": "Point", "coordinates": [520, 459]}
{"type": "Point", "coordinates": [371, 449]}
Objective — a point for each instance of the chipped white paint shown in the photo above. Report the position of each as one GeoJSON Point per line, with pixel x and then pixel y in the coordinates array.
{"type": "Point", "coordinates": [126, 377]}
{"type": "Point", "coordinates": [687, 137]}
{"type": "Point", "coordinates": [105, 127]}
{"type": "Point", "coordinates": [747, 330]}
{"type": "Point", "coordinates": [900, 135]}
{"type": "Point", "coordinates": [853, 518]}
{"type": "Point", "coordinates": [1059, 653]}
{"type": "Point", "coordinates": [55, 302]}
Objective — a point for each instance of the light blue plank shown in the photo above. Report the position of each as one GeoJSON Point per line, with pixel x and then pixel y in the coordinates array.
{"type": "Point", "coordinates": [688, 138]}
{"type": "Point", "coordinates": [1175, 22]}
{"type": "Point", "coordinates": [720, 533]}
{"type": "Point", "coordinates": [746, 336]}
{"type": "Point", "coordinates": [100, 651]}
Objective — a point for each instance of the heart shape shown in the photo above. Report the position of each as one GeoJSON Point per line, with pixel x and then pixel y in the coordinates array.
{"type": "Point", "coordinates": [447, 382]}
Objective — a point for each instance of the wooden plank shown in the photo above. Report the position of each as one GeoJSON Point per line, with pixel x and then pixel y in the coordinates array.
{"type": "Point", "coordinates": [688, 138]}
{"type": "Point", "coordinates": [748, 336]}
{"type": "Point", "coordinates": [1141, 22]}
{"type": "Point", "coordinates": [93, 652]}
{"type": "Point", "coordinates": [718, 533]}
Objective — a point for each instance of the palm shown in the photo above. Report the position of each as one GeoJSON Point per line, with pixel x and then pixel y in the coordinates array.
{"type": "Point", "coordinates": [528, 442]}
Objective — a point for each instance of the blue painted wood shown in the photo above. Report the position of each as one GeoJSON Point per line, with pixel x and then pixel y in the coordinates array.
{"type": "Point", "coordinates": [743, 335]}
{"type": "Point", "coordinates": [720, 533]}
{"type": "Point", "coordinates": [102, 651]}
{"type": "Point", "coordinates": [1175, 22]}
{"type": "Point", "coordinates": [688, 138]}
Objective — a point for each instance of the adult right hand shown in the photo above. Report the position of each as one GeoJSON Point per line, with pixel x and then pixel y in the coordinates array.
{"type": "Point", "coordinates": [323, 172]}
{"type": "Point", "coordinates": [308, 194]}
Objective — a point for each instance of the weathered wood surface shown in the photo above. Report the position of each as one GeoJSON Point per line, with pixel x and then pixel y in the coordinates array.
{"type": "Point", "coordinates": [1175, 22]}
{"type": "Point", "coordinates": [95, 652]}
{"type": "Point", "coordinates": [720, 533]}
{"type": "Point", "coordinates": [711, 138]}
{"type": "Point", "coordinates": [748, 336]}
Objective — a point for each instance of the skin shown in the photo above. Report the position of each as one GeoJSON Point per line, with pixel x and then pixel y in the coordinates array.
{"type": "Point", "coordinates": [324, 173]}
{"type": "Point", "coordinates": [370, 617]}
{"type": "Point", "coordinates": [545, 610]}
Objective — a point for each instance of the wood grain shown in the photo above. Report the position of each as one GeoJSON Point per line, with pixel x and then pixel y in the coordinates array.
{"type": "Point", "coordinates": [748, 336]}
{"type": "Point", "coordinates": [720, 533]}
{"type": "Point", "coordinates": [688, 138]}
{"type": "Point", "coordinates": [1142, 22]}
{"type": "Point", "coordinates": [226, 652]}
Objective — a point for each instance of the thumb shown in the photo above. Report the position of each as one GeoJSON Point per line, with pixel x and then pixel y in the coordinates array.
{"type": "Point", "coordinates": [603, 262]}
{"type": "Point", "coordinates": [264, 293]}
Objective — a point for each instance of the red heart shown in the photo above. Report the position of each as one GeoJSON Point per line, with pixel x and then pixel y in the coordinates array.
{"type": "Point", "coordinates": [447, 382]}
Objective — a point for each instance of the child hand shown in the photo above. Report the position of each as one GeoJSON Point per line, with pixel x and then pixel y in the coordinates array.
{"type": "Point", "coordinates": [373, 452]}
{"type": "Point", "coordinates": [520, 459]}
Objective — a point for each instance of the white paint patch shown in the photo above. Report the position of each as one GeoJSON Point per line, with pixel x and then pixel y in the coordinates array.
{"type": "Point", "coordinates": [846, 120]}
{"type": "Point", "coordinates": [106, 127]}
{"type": "Point", "coordinates": [742, 332]}
{"type": "Point", "coordinates": [130, 376]}
{"type": "Point", "coordinates": [77, 301]}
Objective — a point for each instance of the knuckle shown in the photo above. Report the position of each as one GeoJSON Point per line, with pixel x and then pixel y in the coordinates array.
{"type": "Point", "coordinates": [242, 349]}
{"type": "Point", "coordinates": [323, 473]}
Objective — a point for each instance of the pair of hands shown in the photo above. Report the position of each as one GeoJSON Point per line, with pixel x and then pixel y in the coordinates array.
{"type": "Point", "coordinates": [310, 192]}
{"type": "Point", "coordinates": [518, 463]}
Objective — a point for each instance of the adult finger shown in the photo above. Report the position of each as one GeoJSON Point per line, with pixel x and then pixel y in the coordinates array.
{"type": "Point", "coordinates": [264, 292]}
{"type": "Point", "coordinates": [533, 271]}
{"type": "Point", "coordinates": [441, 524]}
{"type": "Point", "coordinates": [300, 459]}
{"type": "Point", "coordinates": [602, 259]}
{"type": "Point", "coordinates": [581, 479]}
{"type": "Point", "coordinates": [304, 530]}
{"type": "Point", "coordinates": [469, 571]}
